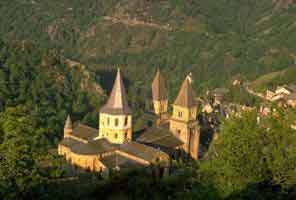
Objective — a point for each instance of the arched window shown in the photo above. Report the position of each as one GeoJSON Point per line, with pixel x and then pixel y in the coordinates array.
{"type": "Point", "coordinates": [108, 121]}
{"type": "Point", "coordinates": [180, 114]}
{"type": "Point", "coordinates": [116, 135]}
{"type": "Point", "coordinates": [116, 121]}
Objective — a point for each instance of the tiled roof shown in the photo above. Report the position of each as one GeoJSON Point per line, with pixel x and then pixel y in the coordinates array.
{"type": "Point", "coordinates": [84, 132]}
{"type": "Point", "coordinates": [292, 87]}
{"type": "Point", "coordinates": [142, 151]}
{"type": "Point", "coordinates": [160, 137]}
{"type": "Point", "coordinates": [69, 142]}
{"type": "Point", "coordinates": [93, 147]}
{"type": "Point", "coordinates": [292, 96]}
{"type": "Point", "coordinates": [186, 96]}
{"type": "Point", "coordinates": [117, 160]}
{"type": "Point", "coordinates": [159, 91]}
{"type": "Point", "coordinates": [117, 102]}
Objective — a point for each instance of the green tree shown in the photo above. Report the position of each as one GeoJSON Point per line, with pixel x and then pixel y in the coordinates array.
{"type": "Point", "coordinates": [248, 153]}
{"type": "Point", "coordinates": [19, 173]}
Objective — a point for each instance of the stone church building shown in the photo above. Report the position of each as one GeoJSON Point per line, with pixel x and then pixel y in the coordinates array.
{"type": "Point", "coordinates": [113, 145]}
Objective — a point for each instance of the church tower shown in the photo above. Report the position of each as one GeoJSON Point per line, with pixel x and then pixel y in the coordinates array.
{"type": "Point", "coordinates": [68, 128]}
{"type": "Point", "coordinates": [115, 115]}
{"type": "Point", "coordinates": [159, 95]}
{"type": "Point", "coordinates": [183, 123]}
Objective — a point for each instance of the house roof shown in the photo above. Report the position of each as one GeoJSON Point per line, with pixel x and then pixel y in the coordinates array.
{"type": "Point", "coordinates": [291, 87]}
{"type": "Point", "coordinates": [186, 96]}
{"type": "Point", "coordinates": [84, 132]}
{"type": "Point", "coordinates": [159, 91]}
{"type": "Point", "coordinates": [292, 96]}
{"type": "Point", "coordinates": [117, 102]}
{"type": "Point", "coordinates": [160, 137]}
{"type": "Point", "coordinates": [141, 151]}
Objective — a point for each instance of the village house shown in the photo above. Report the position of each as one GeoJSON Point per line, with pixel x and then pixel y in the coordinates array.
{"type": "Point", "coordinates": [284, 95]}
{"type": "Point", "coordinates": [291, 100]}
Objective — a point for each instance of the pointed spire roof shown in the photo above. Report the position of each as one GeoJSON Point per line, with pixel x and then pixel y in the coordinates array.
{"type": "Point", "coordinates": [159, 91]}
{"type": "Point", "coordinates": [186, 96]}
{"type": "Point", "coordinates": [68, 124]}
{"type": "Point", "coordinates": [117, 102]}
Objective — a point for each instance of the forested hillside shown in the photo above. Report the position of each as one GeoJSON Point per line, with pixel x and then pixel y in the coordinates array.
{"type": "Point", "coordinates": [58, 57]}
{"type": "Point", "coordinates": [46, 86]}
{"type": "Point", "coordinates": [272, 80]}
{"type": "Point", "coordinates": [214, 40]}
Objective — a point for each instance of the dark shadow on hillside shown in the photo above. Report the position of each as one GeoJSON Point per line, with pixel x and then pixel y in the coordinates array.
{"type": "Point", "coordinates": [107, 78]}
{"type": "Point", "coordinates": [141, 184]}
{"type": "Point", "coordinates": [206, 133]}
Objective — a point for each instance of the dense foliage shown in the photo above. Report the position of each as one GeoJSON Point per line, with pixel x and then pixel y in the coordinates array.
{"type": "Point", "coordinates": [34, 104]}
{"type": "Point", "coordinates": [214, 40]}
{"type": "Point", "coordinates": [272, 80]}
{"type": "Point", "coordinates": [260, 156]}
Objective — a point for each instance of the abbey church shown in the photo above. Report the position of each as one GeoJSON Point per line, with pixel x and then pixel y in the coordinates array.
{"type": "Point", "coordinates": [114, 147]}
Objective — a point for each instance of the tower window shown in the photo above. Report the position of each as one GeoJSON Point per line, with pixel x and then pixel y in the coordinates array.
{"type": "Point", "coordinates": [116, 122]}
{"type": "Point", "coordinates": [108, 121]}
{"type": "Point", "coordinates": [125, 121]}
{"type": "Point", "coordinates": [180, 114]}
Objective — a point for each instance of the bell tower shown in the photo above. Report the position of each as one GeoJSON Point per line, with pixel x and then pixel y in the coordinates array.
{"type": "Point", "coordinates": [183, 122]}
{"type": "Point", "coordinates": [159, 94]}
{"type": "Point", "coordinates": [116, 116]}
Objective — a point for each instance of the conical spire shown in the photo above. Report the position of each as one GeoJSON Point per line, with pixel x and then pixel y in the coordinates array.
{"type": "Point", "coordinates": [159, 91]}
{"type": "Point", "coordinates": [68, 124]}
{"type": "Point", "coordinates": [186, 96]}
{"type": "Point", "coordinates": [117, 102]}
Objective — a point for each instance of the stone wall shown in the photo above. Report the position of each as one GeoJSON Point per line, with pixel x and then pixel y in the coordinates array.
{"type": "Point", "coordinates": [160, 107]}
{"type": "Point", "coordinates": [116, 128]}
{"type": "Point", "coordinates": [86, 162]}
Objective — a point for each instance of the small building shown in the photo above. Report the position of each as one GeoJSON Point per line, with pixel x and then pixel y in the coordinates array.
{"type": "Point", "coordinates": [269, 95]}
{"type": "Point", "coordinates": [286, 89]}
{"type": "Point", "coordinates": [236, 82]}
{"type": "Point", "coordinates": [291, 100]}
{"type": "Point", "coordinates": [219, 94]}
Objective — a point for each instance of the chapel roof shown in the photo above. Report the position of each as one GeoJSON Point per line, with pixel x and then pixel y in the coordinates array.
{"type": "Point", "coordinates": [117, 160]}
{"type": "Point", "coordinates": [84, 132]}
{"type": "Point", "coordinates": [159, 136]}
{"type": "Point", "coordinates": [159, 91]}
{"type": "Point", "coordinates": [94, 147]}
{"type": "Point", "coordinates": [117, 102]}
{"type": "Point", "coordinates": [142, 151]}
{"type": "Point", "coordinates": [186, 96]}
{"type": "Point", "coordinates": [68, 124]}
